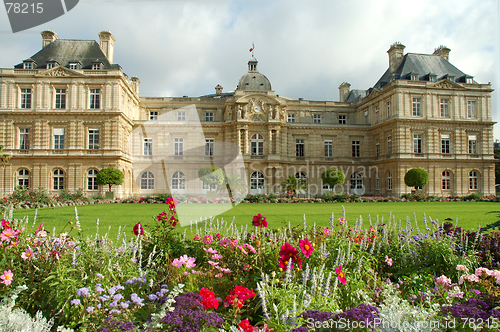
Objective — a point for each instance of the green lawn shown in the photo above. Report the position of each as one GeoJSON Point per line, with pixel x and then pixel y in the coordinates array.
{"type": "Point", "coordinates": [469, 214]}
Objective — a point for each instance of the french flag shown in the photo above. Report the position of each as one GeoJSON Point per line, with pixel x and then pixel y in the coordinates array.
{"type": "Point", "coordinates": [253, 47]}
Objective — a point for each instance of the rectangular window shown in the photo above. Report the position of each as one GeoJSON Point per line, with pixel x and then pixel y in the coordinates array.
{"type": "Point", "coordinates": [417, 143]}
{"type": "Point", "coordinates": [181, 116]}
{"type": "Point", "coordinates": [377, 183]}
{"type": "Point", "coordinates": [50, 65]}
{"type": "Point", "coordinates": [445, 144]}
{"type": "Point", "coordinates": [60, 99]}
{"type": "Point", "coordinates": [471, 109]}
{"type": "Point", "coordinates": [148, 146]}
{"type": "Point", "coordinates": [328, 148]}
{"type": "Point", "coordinates": [58, 138]}
{"type": "Point", "coordinates": [342, 119]}
{"type": "Point", "coordinates": [96, 66]}
{"type": "Point", "coordinates": [178, 146]}
{"type": "Point", "coordinates": [355, 148]}
{"type": "Point", "coordinates": [388, 109]}
{"type": "Point", "coordinates": [95, 98]}
{"type": "Point", "coordinates": [209, 147]}
{"type": "Point", "coordinates": [299, 147]}
{"type": "Point", "coordinates": [291, 118]}
{"type": "Point", "coordinates": [93, 139]}
{"type": "Point", "coordinates": [377, 147]}
{"type": "Point", "coordinates": [317, 118]}
{"type": "Point", "coordinates": [24, 138]}
{"type": "Point", "coordinates": [472, 144]}
{"type": "Point", "coordinates": [389, 181]}
{"type": "Point", "coordinates": [73, 66]}
{"type": "Point", "coordinates": [153, 115]}
{"type": "Point", "coordinates": [377, 117]}
{"type": "Point", "coordinates": [416, 106]}
{"type": "Point", "coordinates": [389, 144]}
{"type": "Point", "coordinates": [27, 65]}
{"type": "Point", "coordinates": [445, 113]}
{"type": "Point", "coordinates": [25, 98]}
{"type": "Point", "coordinates": [209, 116]}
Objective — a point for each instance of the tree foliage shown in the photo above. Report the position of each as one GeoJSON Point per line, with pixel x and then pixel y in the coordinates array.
{"type": "Point", "coordinates": [110, 176]}
{"type": "Point", "coordinates": [416, 177]}
{"type": "Point", "coordinates": [211, 175]}
{"type": "Point", "coordinates": [332, 177]}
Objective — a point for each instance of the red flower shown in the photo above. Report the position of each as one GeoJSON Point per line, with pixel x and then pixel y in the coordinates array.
{"type": "Point", "coordinates": [306, 247]}
{"type": "Point", "coordinates": [238, 296]}
{"type": "Point", "coordinates": [286, 253]}
{"type": "Point", "coordinates": [259, 221]}
{"type": "Point", "coordinates": [209, 300]}
{"type": "Point", "coordinates": [340, 275]}
{"type": "Point", "coordinates": [245, 326]}
{"type": "Point", "coordinates": [172, 203]}
{"type": "Point", "coordinates": [173, 221]}
{"type": "Point", "coordinates": [138, 230]}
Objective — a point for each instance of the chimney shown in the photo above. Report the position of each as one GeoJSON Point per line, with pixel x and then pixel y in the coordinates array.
{"type": "Point", "coordinates": [135, 84]}
{"type": "Point", "coordinates": [107, 42]}
{"type": "Point", "coordinates": [442, 51]}
{"type": "Point", "coordinates": [396, 53]}
{"type": "Point", "coordinates": [48, 36]}
{"type": "Point", "coordinates": [344, 89]}
{"type": "Point", "coordinates": [218, 89]}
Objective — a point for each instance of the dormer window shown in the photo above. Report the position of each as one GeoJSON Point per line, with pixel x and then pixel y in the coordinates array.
{"type": "Point", "coordinates": [96, 66]}
{"type": "Point", "coordinates": [432, 78]}
{"type": "Point", "coordinates": [73, 65]}
{"type": "Point", "coordinates": [50, 65]}
{"type": "Point", "coordinates": [28, 65]}
{"type": "Point", "coordinates": [414, 77]}
{"type": "Point", "coordinates": [449, 77]}
{"type": "Point", "coordinates": [468, 80]}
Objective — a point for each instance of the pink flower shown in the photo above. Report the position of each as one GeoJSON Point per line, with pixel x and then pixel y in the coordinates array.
{"type": "Point", "coordinates": [233, 243]}
{"type": "Point", "coordinates": [341, 275]}
{"type": "Point", "coordinates": [27, 254]}
{"type": "Point", "coordinates": [213, 263]}
{"type": "Point", "coordinates": [326, 230]}
{"type": "Point", "coordinates": [443, 281]}
{"type": "Point", "coordinates": [216, 256]}
{"type": "Point", "coordinates": [208, 239]}
{"type": "Point", "coordinates": [462, 268]}
{"type": "Point", "coordinates": [210, 250]}
{"type": "Point", "coordinates": [306, 247]}
{"type": "Point", "coordinates": [218, 275]}
{"type": "Point", "coordinates": [7, 235]}
{"type": "Point", "coordinates": [225, 242]}
{"type": "Point", "coordinates": [342, 220]}
{"type": "Point", "coordinates": [189, 261]}
{"type": "Point", "coordinates": [259, 221]}
{"type": "Point", "coordinates": [388, 260]}
{"type": "Point", "coordinates": [5, 223]}
{"type": "Point", "coordinates": [138, 229]}
{"type": "Point", "coordinates": [196, 237]}
{"type": "Point", "coordinates": [242, 248]}
{"type": "Point", "coordinates": [251, 248]}
{"type": "Point", "coordinates": [7, 277]}
{"type": "Point", "coordinates": [172, 203]}
{"type": "Point", "coordinates": [177, 263]}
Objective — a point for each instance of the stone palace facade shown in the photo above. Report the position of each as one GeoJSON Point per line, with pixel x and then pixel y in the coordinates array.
{"type": "Point", "coordinates": [68, 111]}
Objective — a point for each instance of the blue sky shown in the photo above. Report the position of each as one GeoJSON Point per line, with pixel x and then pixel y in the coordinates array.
{"type": "Point", "coordinates": [305, 48]}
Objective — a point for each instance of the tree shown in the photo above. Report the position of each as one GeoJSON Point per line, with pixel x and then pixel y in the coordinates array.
{"type": "Point", "coordinates": [332, 177]}
{"type": "Point", "coordinates": [212, 176]}
{"type": "Point", "coordinates": [109, 176]}
{"type": "Point", "coordinates": [497, 166]}
{"type": "Point", "coordinates": [234, 185]}
{"type": "Point", "coordinates": [4, 159]}
{"type": "Point", "coordinates": [416, 177]}
{"type": "Point", "coordinates": [293, 184]}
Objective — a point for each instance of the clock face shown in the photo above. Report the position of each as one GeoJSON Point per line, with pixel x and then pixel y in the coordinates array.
{"type": "Point", "coordinates": [257, 109]}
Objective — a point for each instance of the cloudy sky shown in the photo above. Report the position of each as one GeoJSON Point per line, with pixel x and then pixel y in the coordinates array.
{"type": "Point", "coordinates": [305, 48]}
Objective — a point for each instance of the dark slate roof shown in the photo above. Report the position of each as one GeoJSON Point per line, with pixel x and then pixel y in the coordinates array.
{"type": "Point", "coordinates": [64, 51]}
{"type": "Point", "coordinates": [355, 95]}
{"type": "Point", "coordinates": [254, 81]}
{"type": "Point", "coordinates": [423, 65]}
{"type": "Point", "coordinates": [222, 95]}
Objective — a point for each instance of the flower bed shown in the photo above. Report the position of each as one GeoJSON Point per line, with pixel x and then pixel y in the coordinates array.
{"type": "Point", "coordinates": [386, 277]}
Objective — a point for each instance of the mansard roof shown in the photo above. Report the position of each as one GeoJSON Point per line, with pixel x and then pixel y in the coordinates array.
{"type": "Point", "coordinates": [422, 65]}
{"type": "Point", "coordinates": [66, 51]}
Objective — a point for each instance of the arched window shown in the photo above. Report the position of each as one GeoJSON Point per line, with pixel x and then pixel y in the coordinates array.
{"type": "Point", "coordinates": [446, 180]}
{"type": "Point", "coordinates": [24, 178]}
{"type": "Point", "coordinates": [389, 181]}
{"type": "Point", "coordinates": [473, 175]}
{"type": "Point", "coordinates": [178, 181]}
{"type": "Point", "coordinates": [147, 180]}
{"type": "Point", "coordinates": [257, 145]}
{"type": "Point", "coordinates": [301, 178]}
{"type": "Point", "coordinates": [58, 177]}
{"type": "Point", "coordinates": [356, 181]}
{"type": "Point", "coordinates": [91, 180]}
{"type": "Point", "coordinates": [257, 180]}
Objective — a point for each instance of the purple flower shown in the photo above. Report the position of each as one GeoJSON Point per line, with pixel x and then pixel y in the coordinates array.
{"type": "Point", "coordinates": [118, 297]}
{"type": "Point", "coordinates": [112, 291]}
{"type": "Point", "coordinates": [98, 288]}
{"type": "Point", "coordinates": [136, 299]}
{"type": "Point", "coordinates": [152, 297]}
{"type": "Point", "coordinates": [99, 275]}
{"type": "Point", "coordinates": [113, 304]}
{"type": "Point", "coordinates": [125, 304]}
{"type": "Point", "coordinates": [75, 302]}
{"type": "Point", "coordinates": [90, 309]}
{"type": "Point", "coordinates": [104, 298]}
{"type": "Point", "coordinates": [83, 292]}
{"type": "Point", "coordinates": [114, 311]}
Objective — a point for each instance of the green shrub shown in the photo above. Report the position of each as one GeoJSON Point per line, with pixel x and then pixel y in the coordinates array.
{"type": "Point", "coordinates": [472, 197]}
{"type": "Point", "coordinates": [416, 177]}
{"type": "Point", "coordinates": [21, 193]}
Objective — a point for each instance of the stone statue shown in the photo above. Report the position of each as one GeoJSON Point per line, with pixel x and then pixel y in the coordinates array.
{"type": "Point", "coordinates": [239, 111]}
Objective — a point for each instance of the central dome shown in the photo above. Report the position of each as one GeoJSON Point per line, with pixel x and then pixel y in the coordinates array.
{"type": "Point", "coordinates": [253, 80]}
